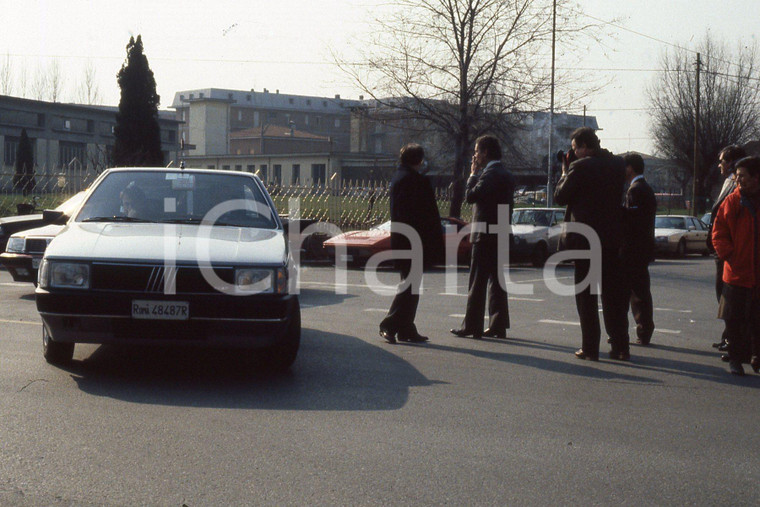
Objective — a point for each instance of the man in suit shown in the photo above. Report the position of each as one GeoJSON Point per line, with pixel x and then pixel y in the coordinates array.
{"type": "Point", "coordinates": [489, 186]}
{"type": "Point", "coordinates": [413, 212]}
{"type": "Point", "coordinates": [727, 159]}
{"type": "Point", "coordinates": [592, 189]}
{"type": "Point", "coordinates": [638, 245]}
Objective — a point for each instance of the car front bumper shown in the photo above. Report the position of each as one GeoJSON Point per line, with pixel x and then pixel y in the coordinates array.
{"type": "Point", "coordinates": [22, 267]}
{"type": "Point", "coordinates": [214, 320]}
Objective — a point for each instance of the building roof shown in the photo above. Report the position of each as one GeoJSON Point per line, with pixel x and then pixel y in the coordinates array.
{"type": "Point", "coordinates": [276, 131]}
{"type": "Point", "coordinates": [266, 99]}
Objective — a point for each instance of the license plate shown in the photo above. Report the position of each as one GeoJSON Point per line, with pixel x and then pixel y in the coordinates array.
{"type": "Point", "coordinates": [160, 310]}
{"type": "Point", "coordinates": [35, 262]}
{"type": "Point", "coordinates": [347, 258]}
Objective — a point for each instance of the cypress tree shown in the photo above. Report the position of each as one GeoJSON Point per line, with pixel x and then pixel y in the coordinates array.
{"type": "Point", "coordinates": [138, 138]}
{"type": "Point", "coordinates": [23, 177]}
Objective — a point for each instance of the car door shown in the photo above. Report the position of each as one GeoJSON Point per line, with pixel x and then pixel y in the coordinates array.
{"type": "Point", "coordinates": [700, 235]}
{"type": "Point", "coordinates": [555, 230]}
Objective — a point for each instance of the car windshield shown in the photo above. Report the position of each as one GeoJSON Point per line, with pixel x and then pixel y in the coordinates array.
{"type": "Point", "coordinates": [179, 197]}
{"type": "Point", "coordinates": [532, 217]}
{"type": "Point", "coordinates": [385, 226]}
{"type": "Point", "coordinates": [669, 223]}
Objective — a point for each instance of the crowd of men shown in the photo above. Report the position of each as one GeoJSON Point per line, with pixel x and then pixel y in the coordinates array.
{"type": "Point", "coordinates": [610, 228]}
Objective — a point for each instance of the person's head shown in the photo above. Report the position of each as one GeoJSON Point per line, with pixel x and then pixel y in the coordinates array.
{"type": "Point", "coordinates": [132, 199]}
{"type": "Point", "coordinates": [487, 149]}
{"type": "Point", "coordinates": [412, 155]}
{"type": "Point", "coordinates": [584, 142]}
{"type": "Point", "coordinates": [748, 175]}
{"type": "Point", "coordinates": [634, 165]}
{"type": "Point", "coordinates": [728, 157]}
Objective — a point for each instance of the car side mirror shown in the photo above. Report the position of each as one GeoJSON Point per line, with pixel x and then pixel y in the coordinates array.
{"type": "Point", "coordinates": [51, 216]}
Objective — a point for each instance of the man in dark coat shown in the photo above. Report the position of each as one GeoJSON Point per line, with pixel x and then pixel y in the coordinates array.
{"type": "Point", "coordinates": [592, 189]}
{"type": "Point", "coordinates": [489, 186]}
{"type": "Point", "coordinates": [413, 212]}
{"type": "Point", "coordinates": [638, 245]}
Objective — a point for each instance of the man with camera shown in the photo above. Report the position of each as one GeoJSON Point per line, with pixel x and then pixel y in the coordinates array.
{"type": "Point", "coordinates": [591, 187]}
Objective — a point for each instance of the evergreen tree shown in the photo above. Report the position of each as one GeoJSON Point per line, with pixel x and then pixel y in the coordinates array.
{"type": "Point", "coordinates": [23, 177]}
{"type": "Point", "coordinates": [138, 138]}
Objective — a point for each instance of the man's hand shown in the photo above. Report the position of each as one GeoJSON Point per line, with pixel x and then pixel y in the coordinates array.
{"type": "Point", "coordinates": [474, 167]}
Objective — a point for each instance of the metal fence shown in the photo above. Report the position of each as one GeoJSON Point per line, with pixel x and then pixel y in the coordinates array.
{"type": "Point", "coordinates": [49, 188]}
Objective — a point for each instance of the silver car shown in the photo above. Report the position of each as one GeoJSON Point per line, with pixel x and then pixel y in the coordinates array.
{"type": "Point", "coordinates": [536, 233]}
{"type": "Point", "coordinates": [680, 235]}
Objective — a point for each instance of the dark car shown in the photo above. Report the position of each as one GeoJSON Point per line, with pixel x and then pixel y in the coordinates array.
{"type": "Point", "coordinates": [171, 257]}
{"type": "Point", "coordinates": [25, 249]}
{"type": "Point", "coordinates": [14, 224]}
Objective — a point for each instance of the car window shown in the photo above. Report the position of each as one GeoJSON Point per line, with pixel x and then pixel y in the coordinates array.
{"type": "Point", "coordinates": [669, 223]}
{"type": "Point", "coordinates": [179, 197]}
{"type": "Point", "coordinates": [532, 217]}
{"type": "Point", "coordinates": [559, 217]}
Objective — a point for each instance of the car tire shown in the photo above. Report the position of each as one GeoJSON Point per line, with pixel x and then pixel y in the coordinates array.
{"type": "Point", "coordinates": [539, 255]}
{"type": "Point", "coordinates": [56, 352]}
{"type": "Point", "coordinates": [681, 249]}
{"type": "Point", "coordinates": [281, 356]}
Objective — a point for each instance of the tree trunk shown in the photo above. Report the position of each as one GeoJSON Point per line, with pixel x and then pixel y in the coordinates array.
{"type": "Point", "coordinates": [457, 184]}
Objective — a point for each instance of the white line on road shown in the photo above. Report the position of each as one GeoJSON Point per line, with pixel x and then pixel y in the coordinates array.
{"type": "Point", "coordinates": [26, 322]}
{"type": "Point", "coordinates": [560, 322]}
{"type": "Point", "coordinates": [668, 331]}
{"type": "Point", "coordinates": [672, 310]}
{"type": "Point", "coordinates": [15, 284]}
{"type": "Point", "coordinates": [377, 310]}
{"type": "Point", "coordinates": [511, 298]}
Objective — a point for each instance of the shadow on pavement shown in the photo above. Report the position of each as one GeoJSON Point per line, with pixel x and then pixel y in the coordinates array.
{"type": "Point", "coordinates": [320, 297]}
{"type": "Point", "coordinates": [332, 372]}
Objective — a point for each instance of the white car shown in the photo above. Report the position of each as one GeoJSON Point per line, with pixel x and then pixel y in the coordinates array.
{"type": "Point", "coordinates": [536, 233]}
{"type": "Point", "coordinates": [173, 257]}
{"type": "Point", "coordinates": [680, 235]}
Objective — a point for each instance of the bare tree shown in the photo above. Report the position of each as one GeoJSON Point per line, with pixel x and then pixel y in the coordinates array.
{"type": "Point", "coordinates": [87, 90]}
{"type": "Point", "coordinates": [729, 107]}
{"type": "Point", "coordinates": [23, 80]}
{"type": "Point", "coordinates": [6, 76]}
{"type": "Point", "coordinates": [40, 84]}
{"type": "Point", "coordinates": [56, 81]}
{"type": "Point", "coordinates": [463, 66]}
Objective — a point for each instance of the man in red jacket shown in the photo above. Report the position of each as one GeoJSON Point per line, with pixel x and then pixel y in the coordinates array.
{"type": "Point", "coordinates": [735, 235]}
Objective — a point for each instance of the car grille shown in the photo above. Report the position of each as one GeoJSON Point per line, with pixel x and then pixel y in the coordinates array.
{"type": "Point", "coordinates": [36, 246]}
{"type": "Point", "coordinates": [152, 279]}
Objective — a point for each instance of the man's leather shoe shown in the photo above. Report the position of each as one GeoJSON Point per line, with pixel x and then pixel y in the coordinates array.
{"type": "Point", "coordinates": [717, 344]}
{"type": "Point", "coordinates": [736, 368]}
{"type": "Point", "coordinates": [582, 355]}
{"type": "Point", "coordinates": [725, 358]}
{"type": "Point", "coordinates": [389, 336]}
{"type": "Point", "coordinates": [642, 342]}
{"type": "Point", "coordinates": [416, 338]}
{"type": "Point", "coordinates": [723, 347]}
{"type": "Point", "coordinates": [620, 356]}
{"type": "Point", "coordinates": [464, 333]}
{"type": "Point", "coordinates": [492, 333]}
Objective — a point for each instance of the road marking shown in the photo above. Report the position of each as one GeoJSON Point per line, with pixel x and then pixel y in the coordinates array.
{"type": "Point", "coordinates": [15, 284]}
{"type": "Point", "coordinates": [672, 310]}
{"type": "Point", "coordinates": [560, 322]}
{"type": "Point", "coordinates": [5, 321]}
{"type": "Point", "coordinates": [511, 298]}
{"type": "Point", "coordinates": [377, 310]}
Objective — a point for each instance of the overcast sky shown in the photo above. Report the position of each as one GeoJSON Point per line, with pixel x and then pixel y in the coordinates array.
{"type": "Point", "coordinates": [286, 46]}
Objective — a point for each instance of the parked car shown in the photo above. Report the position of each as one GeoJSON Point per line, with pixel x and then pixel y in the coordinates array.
{"type": "Point", "coordinates": [25, 249]}
{"type": "Point", "coordinates": [706, 218]}
{"type": "Point", "coordinates": [680, 235]}
{"type": "Point", "coordinates": [13, 224]}
{"type": "Point", "coordinates": [361, 245]}
{"type": "Point", "coordinates": [536, 233]}
{"type": "Point", "coordinates": [195, 257]}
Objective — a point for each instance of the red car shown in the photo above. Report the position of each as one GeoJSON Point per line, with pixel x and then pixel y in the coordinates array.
{"type": "Point", "coordinates": [361, 245]}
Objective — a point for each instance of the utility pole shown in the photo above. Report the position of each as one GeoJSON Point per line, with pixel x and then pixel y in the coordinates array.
{"type": "Point", "coordinates": [550, 158]}
{"type": "Point", "coordinates": [696, 142]}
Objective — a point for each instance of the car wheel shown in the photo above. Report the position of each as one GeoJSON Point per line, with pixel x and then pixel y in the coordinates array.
{"type": "Point", "coordinates": [681, 249]}
{"type": "Point", "coordinates": [56, 352]}
{"type": "Point", "coordinates": [281, 356]}
{"type": "Point", "coordinates": [539, 256]}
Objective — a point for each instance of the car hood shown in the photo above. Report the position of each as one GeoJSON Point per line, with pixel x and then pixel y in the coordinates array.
{"type": "Point", "coordinates": [525, 229]}
{"type": "Point", "coordinates": [152, 242]}
{"type": "Point", "coordinates": [39, 232]}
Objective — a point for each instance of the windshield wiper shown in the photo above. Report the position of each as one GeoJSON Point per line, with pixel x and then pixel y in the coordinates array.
{"type": "Point", "coordinates": [186, 220]}
{"type": "Point", "coordinates": [115, 218]}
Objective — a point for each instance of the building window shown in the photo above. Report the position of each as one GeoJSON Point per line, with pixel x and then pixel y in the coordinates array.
{"type": "Point", "coordinates": [317, 121]}
{"type": "Point", "coordinates": [263, 172]}
{"type": "Point", "coordinates": [229, 96]}
{"type": "Point", "coordinates": [295, 174]}
{"type": "Point", "coordinates": [11, 145]}
{"type": "Point", "coordinates": [181, 97]}
{"type": "Point", "coordinates": [271, 116]}
{"type": "Point", "coordinates": [226, 167]}
{"type": "Point", "coordinates": [318, 174]}
{"type": "Point", "coordinates": [200, 95]}
{"type": "Point", "coordinates": [67, 124]}
{"type": "Point", "coordinates": [41, 120]}
{"type": "Point", "coordinates": [291, 101]}
{"type": "Point", "coordinates": [308, 102]}
{"type": "Point", "coordinates": [306, 119]}
{"type": "Point", "coordinates": [240, 115]}
{"type": "Point", "coordinates": [211, 166]}
{"type": "Point", "coordinates": [337, 123]}
{"type": "Point", "coordinates": [324, 103]}
{"type": "Point", "coordinates": [90, 126]}
{"type": "Point", "coordinates": [250, 168]}
{"type": "Point", "coordinates": [277, 174]}
{"type": "Point", "coordinates": [238, 167]}
{"type": "Point", "coordinates": [74, 154]}
{"type": "Point", "coordinates": [248, 97]}
{"type": "Point", "coordinates": [192, 96]}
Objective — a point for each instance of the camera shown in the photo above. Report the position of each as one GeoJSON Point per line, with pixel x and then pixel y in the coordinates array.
{"type": "Point", "coordinates": [566, 158]}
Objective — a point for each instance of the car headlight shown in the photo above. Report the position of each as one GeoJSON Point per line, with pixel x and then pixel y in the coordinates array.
{"type": "Point", "coordinates": [254, 280]}
{"type": "Point", "coordinates": [15, 244]}
{"type": "Point", "coordinates": [64, 275]}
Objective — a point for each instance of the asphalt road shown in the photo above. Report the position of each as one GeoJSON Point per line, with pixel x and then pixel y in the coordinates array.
{"type": "Point", "coordinates": [359, 421]}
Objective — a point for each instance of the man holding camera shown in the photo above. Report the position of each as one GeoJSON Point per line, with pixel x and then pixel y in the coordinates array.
{"type": "Point", "coordinates": [591, 187]}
